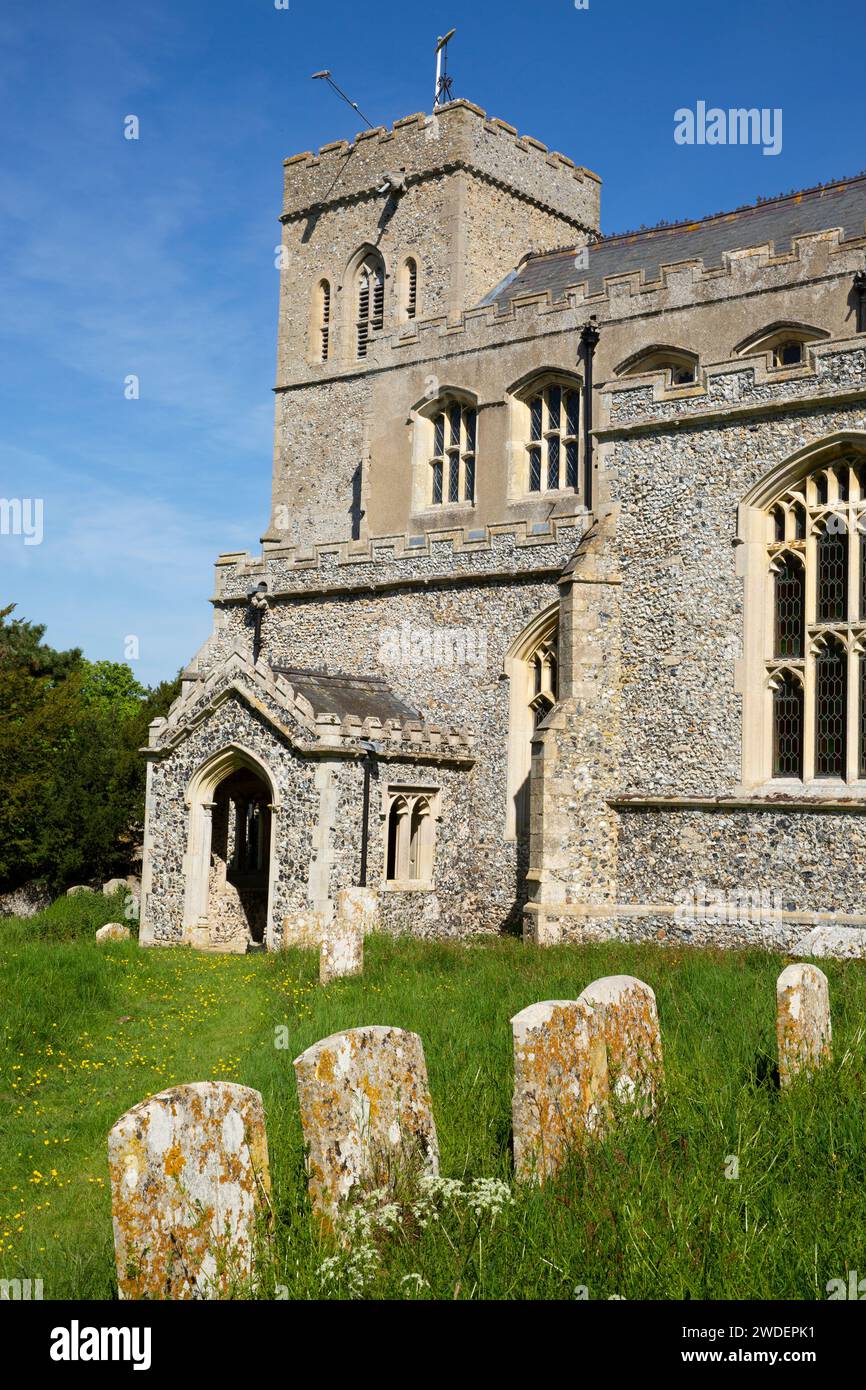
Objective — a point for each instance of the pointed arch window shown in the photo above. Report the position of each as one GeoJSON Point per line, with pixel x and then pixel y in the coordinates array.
{"type": "Point", "coordinates": [533, 673]}
{"type": "Point", "coordinates": [324, 321]}
{"type": "Point", "coordinates": [815, 677]}
{"type": "Point", "coordinates": [409, 288]}
{"type": "Point", "coordinates": [370, 301]}
{"type": "Point", "coordinates": [553, 417]}
{"type": "Point", "coordinates": [410, 824]}
{"type": "Point", "coordinates": [452, 467]}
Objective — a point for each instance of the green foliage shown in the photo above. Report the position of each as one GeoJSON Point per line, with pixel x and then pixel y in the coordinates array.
{"type": "Point", "coordinates": [70, 766]}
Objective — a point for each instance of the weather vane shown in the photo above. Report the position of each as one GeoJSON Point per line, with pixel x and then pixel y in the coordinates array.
{"type": "Point", "coordinates": [443, 81]}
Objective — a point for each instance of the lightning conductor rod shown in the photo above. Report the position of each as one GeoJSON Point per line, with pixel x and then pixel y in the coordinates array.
{"type": "Point", "coordinates": [340, 93]}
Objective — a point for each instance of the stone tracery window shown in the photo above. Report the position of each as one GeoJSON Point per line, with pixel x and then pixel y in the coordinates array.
{"type": "Point", "coordinates": [814, 667]}
{"type": "Point", "coordinates": [553, 420]}
{"type": "Point", "coordinates": [452, 466]}
{"type": "Point", "coordinates": [410, 827]}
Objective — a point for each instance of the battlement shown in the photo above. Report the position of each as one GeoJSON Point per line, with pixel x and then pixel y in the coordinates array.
{"type": "Point", "coordinates": [459, 136]}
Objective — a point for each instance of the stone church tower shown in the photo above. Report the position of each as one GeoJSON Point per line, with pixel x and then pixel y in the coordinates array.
{"type": "Point", "coordinates": [559, 620]}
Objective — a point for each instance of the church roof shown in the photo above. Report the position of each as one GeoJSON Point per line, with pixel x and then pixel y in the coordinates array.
{"type": "Point", "coordinates": [348, 696]}
{"type": "Point", "coordinates": [776, 221]}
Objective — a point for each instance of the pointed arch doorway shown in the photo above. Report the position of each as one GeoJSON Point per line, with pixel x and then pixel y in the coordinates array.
{"type": "Point", "coordinates": [229, 867]}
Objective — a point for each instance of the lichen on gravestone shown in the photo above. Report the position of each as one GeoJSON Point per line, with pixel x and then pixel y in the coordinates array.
{"type": "Point", "coordinates": [366, 1114]}
{"type": "Point", "coordinates": [190, 1187]}
{"type": "Point", "coordinates": [561, 1089]}
{"type": "Point", "coordinates": [628, 1015]}
{"type": "Point", "coordinates": [803, 1027]}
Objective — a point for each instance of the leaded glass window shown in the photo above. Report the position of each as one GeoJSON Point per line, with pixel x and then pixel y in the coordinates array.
{"type": "Point", "coordinates": [552, 447]}
{"type": "Point", "coordinates": [453, 463]}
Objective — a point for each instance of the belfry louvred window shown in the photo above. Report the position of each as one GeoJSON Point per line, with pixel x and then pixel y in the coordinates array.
{"type": "Point", "coordinates": [371, 302]}
{"type": "Point", "coordinates": [816, 672]}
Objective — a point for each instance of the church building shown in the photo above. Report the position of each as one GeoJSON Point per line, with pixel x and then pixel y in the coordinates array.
{"type": "Point", "coordinates": [558, 625]}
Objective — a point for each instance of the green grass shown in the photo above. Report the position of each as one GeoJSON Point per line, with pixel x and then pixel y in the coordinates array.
{"type": "Point", "coordinates": [89, 1031]}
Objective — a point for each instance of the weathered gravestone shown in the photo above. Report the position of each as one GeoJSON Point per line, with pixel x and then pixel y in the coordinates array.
{"type": "Point", "coordinates": [366, 1113]}
{"type": "Point", "coordinates": [342, 949]}
{"type": "Point", "coordinates": [189, 1180]}
{"type": "Point", "coordinates": [627, 1013]}
{"type": "Point", "coordinates": [803, 1032]}
{"type": "Point", "coordinates": [361, 906]}
{"type": "Point", "coordinates": [113, 931]}
{"type": "Point", "coordinates": [560, 1085]}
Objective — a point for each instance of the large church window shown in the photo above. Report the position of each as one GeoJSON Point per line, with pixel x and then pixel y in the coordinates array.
{"type": "Point", "coordinates": [816, 633]}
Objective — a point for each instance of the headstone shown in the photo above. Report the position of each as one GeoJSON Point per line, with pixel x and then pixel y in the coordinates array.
{"type": "Point", "coordinates": [304, 930]}
{"type": "Point", "coordinates": [366, 1113]}
{"type": "Point", "coordinates": [359, 906]}
{"type": "Point", "coordinates": [77, 888]}
{"type": "Point", "coordinates": [189, 1179]}
{"type": "Point", "coordinates": [342, 950]}
{"type": "Point", "coordinates": [114, 885]}
{"type": "Point", "coordinates": [113, 931]}
{"type": "Point", "coordinates": [803, 1031]}
{"type": "Point", "coordinates": [629, 1018]}
{"type": "Point", "coordinates": [560, 1085]}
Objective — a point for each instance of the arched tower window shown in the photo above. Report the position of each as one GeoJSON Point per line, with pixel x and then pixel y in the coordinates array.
{"type": "Point", "coordinates": [370, 301]}
{"type": "Point", "coordinates": [409, 288]}
{"type": "Point", "coordinates": [324, 306]}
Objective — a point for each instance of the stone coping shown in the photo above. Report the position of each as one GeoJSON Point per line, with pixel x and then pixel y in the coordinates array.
{"type": "Point", "coordinates": [834, 805]}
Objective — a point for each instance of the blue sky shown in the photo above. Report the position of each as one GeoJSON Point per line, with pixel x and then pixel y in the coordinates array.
{"type": "Point", "coordinates": [155, 257]}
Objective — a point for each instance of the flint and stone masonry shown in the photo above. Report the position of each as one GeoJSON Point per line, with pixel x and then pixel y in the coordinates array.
{"type": "Point", "coordinates": [510, 661]}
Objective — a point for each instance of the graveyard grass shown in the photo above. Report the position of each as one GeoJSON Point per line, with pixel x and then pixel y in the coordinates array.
{"type": "Point", "coordinates": [89, 1031]}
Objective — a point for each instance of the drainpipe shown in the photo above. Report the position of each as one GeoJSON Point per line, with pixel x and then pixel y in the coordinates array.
{"type": "Point", "coordinates": [860, 291]}
{"type": "Point", "coordinates": [589, 336]}
{"type": "Point", "coordinates": [370, 751]}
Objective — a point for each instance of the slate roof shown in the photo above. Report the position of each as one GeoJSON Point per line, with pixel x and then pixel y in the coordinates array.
{"type": "Point", "coordinates": [777, 221]}
{"type": "Point", "coordinates": [363, 696]}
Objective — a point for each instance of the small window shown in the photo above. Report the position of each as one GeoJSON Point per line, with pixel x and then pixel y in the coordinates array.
{"type": "Point", "coordinates": [452, 466]}
{"type": "Point", "coordinates": [324, 321]}
{"type": "Point", "coordinates": [789, 354]}
{"type": "Point", "coordinates": [409, 288]}
{"type": "Point", "coordinates": [410, 820]}
{"type": "Point", "coordinates": [370, 302]}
